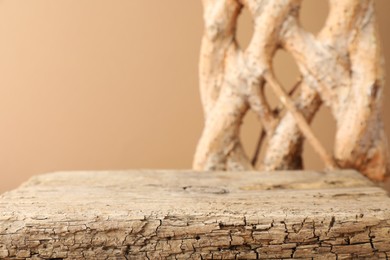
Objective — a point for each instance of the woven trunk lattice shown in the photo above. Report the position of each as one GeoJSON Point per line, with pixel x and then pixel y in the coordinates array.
{"type": "Point", "coordinates": [341, 68]}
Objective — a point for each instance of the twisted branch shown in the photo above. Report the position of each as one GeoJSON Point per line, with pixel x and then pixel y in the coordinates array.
{"type": "Point", "coordinates": [341, 68]}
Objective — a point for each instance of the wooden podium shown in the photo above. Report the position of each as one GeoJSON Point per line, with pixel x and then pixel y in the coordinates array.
{"type": "Point", "coordinates": [153, 214]}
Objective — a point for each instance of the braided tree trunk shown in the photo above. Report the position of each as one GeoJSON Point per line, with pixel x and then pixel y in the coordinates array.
{"type": "Point", "coordinates": [341, 68]}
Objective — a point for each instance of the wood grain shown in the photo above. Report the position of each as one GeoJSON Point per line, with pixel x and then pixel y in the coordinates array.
{"type": "Point", "coordinates": [195, 215]}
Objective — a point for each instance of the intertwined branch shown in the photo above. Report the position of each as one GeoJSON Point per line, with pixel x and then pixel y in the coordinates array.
{"type": "Point", "coordinates": [341, 68]}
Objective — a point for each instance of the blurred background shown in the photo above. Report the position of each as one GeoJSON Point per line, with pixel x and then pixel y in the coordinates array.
{"type": "Point", "coordinates": [98, 84]}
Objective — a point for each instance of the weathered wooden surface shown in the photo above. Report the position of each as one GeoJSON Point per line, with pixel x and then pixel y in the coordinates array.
{"type": "Point", "coordinates": [192, 215]}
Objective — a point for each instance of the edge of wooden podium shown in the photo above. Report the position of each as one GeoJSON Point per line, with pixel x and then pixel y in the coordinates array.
{"type": "Point", "coordinates": [181, 214]}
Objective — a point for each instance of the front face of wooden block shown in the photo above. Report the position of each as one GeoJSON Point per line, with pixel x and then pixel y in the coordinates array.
{"type": "Point", "coordinates": [171, 214]}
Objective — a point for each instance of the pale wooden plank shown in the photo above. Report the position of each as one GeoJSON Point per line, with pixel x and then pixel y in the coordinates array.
{"type": "Point", "coordinates": [185, 214]}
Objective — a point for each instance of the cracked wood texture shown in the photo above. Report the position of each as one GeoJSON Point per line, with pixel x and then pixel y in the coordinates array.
{"type": "Point", "coordinates": [195, 215]}
{"type": "Point", "coordinates": [341, 67]}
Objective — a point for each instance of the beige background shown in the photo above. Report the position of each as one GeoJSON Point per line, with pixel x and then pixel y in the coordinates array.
{"type": "Point", "coordinates": [112, 84]}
